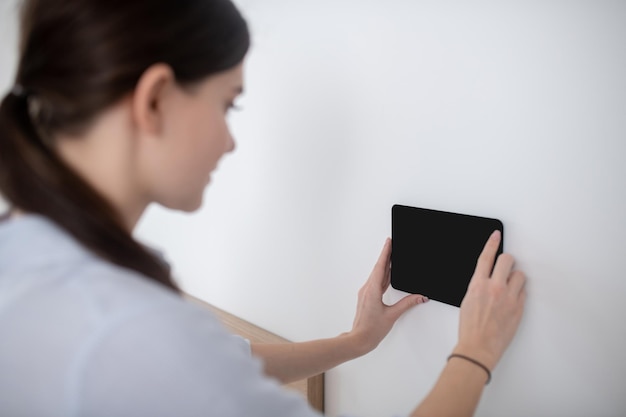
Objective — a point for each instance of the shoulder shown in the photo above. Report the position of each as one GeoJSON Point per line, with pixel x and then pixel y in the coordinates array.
{"type": "Point", "coordinates": [117, 343]}
{"type": "Point", "coordinates": [167, 359]}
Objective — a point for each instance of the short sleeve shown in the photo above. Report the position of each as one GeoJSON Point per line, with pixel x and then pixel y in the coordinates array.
{"type": "Point", "coordinates": [243, 343]}
{"type": "Point", "coordinates": [167, 361]}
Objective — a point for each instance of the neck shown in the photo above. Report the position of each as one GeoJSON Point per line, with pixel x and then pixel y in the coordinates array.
{"type": "Point", "coordinates": [104, 158]}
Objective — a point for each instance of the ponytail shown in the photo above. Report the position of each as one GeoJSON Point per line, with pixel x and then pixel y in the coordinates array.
{"type": "Point", "coordinates": [35, 179]}
{"type": "Point", "coordinates": [77, 58]}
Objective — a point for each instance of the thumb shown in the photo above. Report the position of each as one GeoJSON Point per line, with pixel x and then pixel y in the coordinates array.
{"type": "Point", "coordinates": [406, 304]}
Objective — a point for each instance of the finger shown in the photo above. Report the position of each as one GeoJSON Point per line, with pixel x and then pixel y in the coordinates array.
{"type": "Point", "coordinates": [388, 265]}
{"type": "Point", "coordinates": [386, 281]}
{"type": "Point", "coordinates": [406, 304]}
{"type": "Point", "coordinates": [488, 256]}
{"type": "Point", "coordinates": [503, 268]}
{"type": "Point", "coordinates": [522, 296]}
{"type": "Point", "coordinates": [387, 273]}
{"type": "Point", "coordinates": [517, 282]}
{"type": "Point", "coordinates": [380, 269]}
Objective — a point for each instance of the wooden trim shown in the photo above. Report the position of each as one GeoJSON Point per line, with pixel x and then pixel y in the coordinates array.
{"type": "Point", "coordinates": [312, 388]}
{"type": "Point", "coordinates": [315, 392]}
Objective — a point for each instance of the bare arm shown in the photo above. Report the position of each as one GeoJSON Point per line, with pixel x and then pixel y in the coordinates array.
{"type": "Point", "coordinates": [456, 392]}
{"type": "Point", "coordinates": [294, 361]}
{"type": "Point", "coordinates": [490, 315]}
{"type": "Point", "coordinates": [289, 362]}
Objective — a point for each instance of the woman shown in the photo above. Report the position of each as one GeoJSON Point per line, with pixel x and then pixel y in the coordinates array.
{"type": "Point", "coordinates": [117, 105]}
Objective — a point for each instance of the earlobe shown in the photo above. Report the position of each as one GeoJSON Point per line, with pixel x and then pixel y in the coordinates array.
{"type": "Point", "coordinates": [148, 99]}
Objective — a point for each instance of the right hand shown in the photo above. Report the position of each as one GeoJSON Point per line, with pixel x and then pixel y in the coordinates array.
{"type": "Point", "coordinates": [492, 308]}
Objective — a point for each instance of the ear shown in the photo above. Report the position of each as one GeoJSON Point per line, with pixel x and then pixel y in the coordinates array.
{"type": "Point", "coordinates": [148, 100]}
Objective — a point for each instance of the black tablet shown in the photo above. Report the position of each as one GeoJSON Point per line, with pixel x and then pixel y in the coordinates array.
{"type": "Point", "coordinates": [434, 253]}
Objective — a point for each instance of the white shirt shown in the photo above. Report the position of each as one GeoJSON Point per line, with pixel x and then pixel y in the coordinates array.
{"type": "Point", "coordinates": [80, 336]}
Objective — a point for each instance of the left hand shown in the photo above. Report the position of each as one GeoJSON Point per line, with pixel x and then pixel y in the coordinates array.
{"type": "Point", "coordinates": [374, 319]}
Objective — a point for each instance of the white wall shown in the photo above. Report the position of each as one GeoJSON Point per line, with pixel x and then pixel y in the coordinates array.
{"type": "Point", "coordinates": [513, 110]}
{"type": "Point", "coordinates": [8, 48]}
{"type": "Point", "coordinates": [8, 43]}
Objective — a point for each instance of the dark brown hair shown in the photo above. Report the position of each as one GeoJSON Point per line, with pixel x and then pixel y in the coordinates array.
{"type": "Point", "coordinates": [78, 57]}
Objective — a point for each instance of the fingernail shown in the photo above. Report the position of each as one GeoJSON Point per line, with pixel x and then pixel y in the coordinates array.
{"type": "Point", "coordinates": [495, 234]}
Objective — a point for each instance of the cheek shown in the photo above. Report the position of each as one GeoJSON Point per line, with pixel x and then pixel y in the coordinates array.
{"type": "Point", "coordinates": [194, 127]}
{"type": "Point", "coordinates": [208, 136]}
{"type": "Point", "coordinates": [184, 152]}
{"type": "Point", "coordinates": [203, 140]}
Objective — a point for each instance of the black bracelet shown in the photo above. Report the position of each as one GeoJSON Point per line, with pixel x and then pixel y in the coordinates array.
{"type": "Point", "coordinates": [475, 362]}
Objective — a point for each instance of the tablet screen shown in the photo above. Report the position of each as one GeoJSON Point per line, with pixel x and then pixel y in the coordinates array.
{"type": "Point", "coordinates": [434, 253]}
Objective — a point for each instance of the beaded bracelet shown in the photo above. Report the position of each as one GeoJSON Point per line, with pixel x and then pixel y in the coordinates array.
{"type": "Point", "coordinates": [475, 362]}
